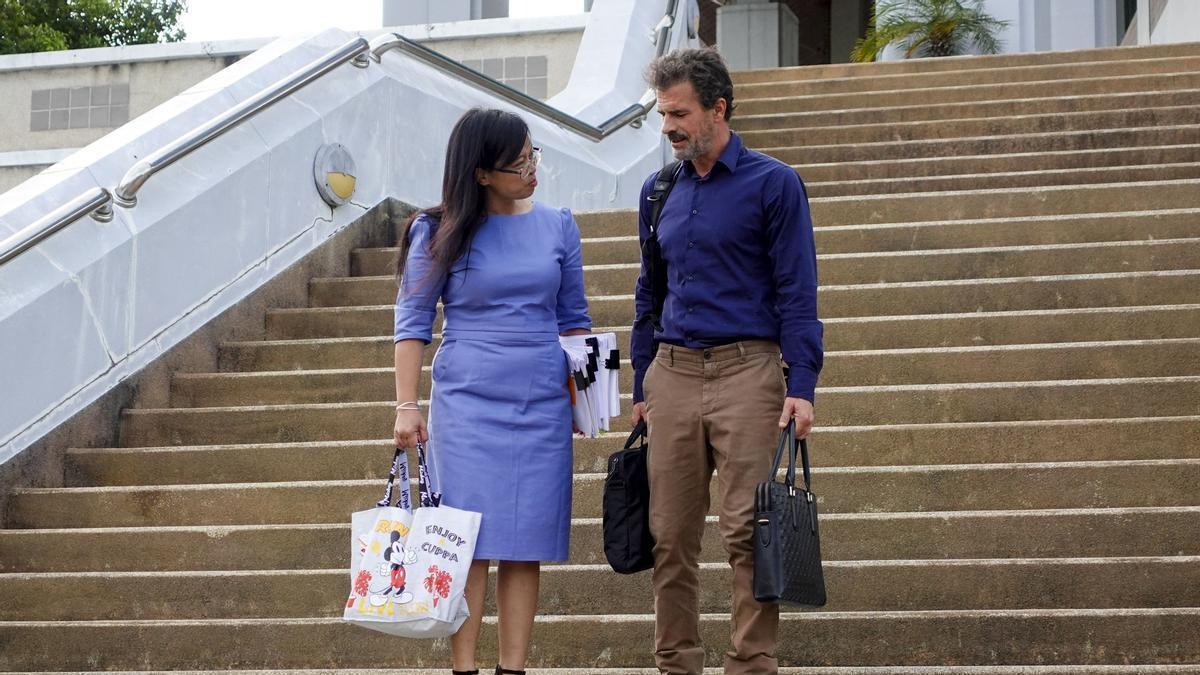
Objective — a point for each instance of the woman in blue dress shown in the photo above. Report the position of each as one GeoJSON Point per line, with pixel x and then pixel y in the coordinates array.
{"type": "Point", "coordinates": [509, 274]}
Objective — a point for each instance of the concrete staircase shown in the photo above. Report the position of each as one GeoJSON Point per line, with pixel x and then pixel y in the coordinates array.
{"type": "Point", "coordinates": [1008, 448]}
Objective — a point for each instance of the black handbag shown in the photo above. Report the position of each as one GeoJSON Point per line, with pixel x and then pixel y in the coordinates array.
{"type": "Point", "coordinates": [628, 544]}
{"type": "Point", "coordinates": [787, 546]}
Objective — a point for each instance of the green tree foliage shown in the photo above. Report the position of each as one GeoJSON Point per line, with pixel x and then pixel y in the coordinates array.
{"type": "Point", "coordinates": [929, 28]}
{"type": "Point", "coordinates": [49, 25]}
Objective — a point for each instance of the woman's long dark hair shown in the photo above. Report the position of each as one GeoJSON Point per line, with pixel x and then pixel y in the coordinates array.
{"type": "Point", "coordinates": [482, 139]}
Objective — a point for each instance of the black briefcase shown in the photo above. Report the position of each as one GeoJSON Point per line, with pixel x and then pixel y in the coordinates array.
{"type": "Point", "coordinates": [787, 546]}
{"type": "Point", "coordinates": [628, 545]}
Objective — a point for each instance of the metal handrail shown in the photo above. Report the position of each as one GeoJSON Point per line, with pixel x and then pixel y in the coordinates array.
{"type": "Point", "coordinates": [98, 201]}
{"type": "Point", "coordinates": [28, 237]}
{"type": "Point", "coordinates": [632, 115]}
{"type": "Point", "coordinates": [126, 193]}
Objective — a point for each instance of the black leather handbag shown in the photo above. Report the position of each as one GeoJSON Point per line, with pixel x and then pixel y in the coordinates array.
{"type": "Point", "coordinates": [628, 545]}
{"type": "Point", "coordinates": [787, 545]}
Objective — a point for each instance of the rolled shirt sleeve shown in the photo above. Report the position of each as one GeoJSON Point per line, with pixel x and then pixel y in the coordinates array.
{"type": "Point", "coordinates": [420, 288]}
{"type": "Point", "coordinates": [793, 258]}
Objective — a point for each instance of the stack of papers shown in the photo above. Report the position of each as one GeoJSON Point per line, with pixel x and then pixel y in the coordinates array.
{"type": "Point", "coordinates": [595, 368]}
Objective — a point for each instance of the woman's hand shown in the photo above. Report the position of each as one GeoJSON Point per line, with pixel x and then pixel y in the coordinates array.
{"type": "Point", "coordinates": [410, 428]}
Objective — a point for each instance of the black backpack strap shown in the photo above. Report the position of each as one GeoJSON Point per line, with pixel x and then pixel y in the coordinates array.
{"type": "Point", "coordinates": [656, 266]}
{"type": "Point", "coordinates": [663, 183]}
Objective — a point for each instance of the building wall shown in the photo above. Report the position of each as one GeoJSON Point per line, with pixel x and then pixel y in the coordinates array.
{"type": "Point", "coordinates": [1045, 25]}
{"type": "Point", "coordinates": [557, 49]}
{"type": "Point", "coordinates": [534, 56]}
{"type": "Point", "coordinates": [814, 17]}
{"type": "Point", "coordinates": [142, 85]}
{"type": "Point", "coordinates": [1178, 22]}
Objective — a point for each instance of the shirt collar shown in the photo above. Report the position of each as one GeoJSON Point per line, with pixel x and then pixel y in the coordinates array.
{"type": "Point", "coordinates": [729, 156]}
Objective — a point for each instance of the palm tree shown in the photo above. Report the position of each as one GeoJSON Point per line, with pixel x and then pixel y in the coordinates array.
{"type": "Point", "coordinates": [929, 28]}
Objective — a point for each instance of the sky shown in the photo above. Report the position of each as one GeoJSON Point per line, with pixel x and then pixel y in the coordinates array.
{"type": "Point", "coordinates": [231, 19]}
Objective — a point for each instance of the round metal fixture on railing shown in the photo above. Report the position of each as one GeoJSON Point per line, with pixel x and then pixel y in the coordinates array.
{"type": "Point", "coordinates": [334, 174]}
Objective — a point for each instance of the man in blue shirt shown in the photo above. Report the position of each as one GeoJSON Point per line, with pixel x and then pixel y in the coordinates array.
{"type": "Point", "coordinates": [737, 240]}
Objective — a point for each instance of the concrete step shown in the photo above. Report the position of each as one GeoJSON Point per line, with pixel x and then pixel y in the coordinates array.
{"type": "Point", "coordinates": [1064, 361]}
{"type": "Point", "coordinates": [870, 85]}
{"type": "Point", "coordinates": [865, 268]}
{"type": "Point", "coordinates": [839, 406]}
{"type": "Point", "coordinates": [907, 444]}
{"type": "Point", "coordinates": [967, 110]}
{"type": "Point", "coordinates": [367, 262]}
{"type": "Point", "coordinates": [774, 98]}
{"type": "Point", "coordinates": [1057, 533]}
{"type": "Point", "coordinates": [1028, 231]}
{"type": "Point", "coordinates": [1122, 226]}
{"type": "Point", "coordinates": [1044, 162]}
{"type": "Point", "coordinates": [1128, 483]}
{"type": "Point", "coordinates": [1007, 144]}
{"type": "Point", "coordinates": [1139, 669]}
{"type": "Point", "coordinates": [971, 127]}
{"type": "Point", "coordinates": [1068, 636]}
{"type": "Point", "coordinates": [977, 204]}
{"type": "Point", "coordinates": [1011, 231]}
{"type": "Point", "coordinates": [947, 330]}
{"type": "Point", "coordinates": [854, 586]}
{"type": "Point", "coordinates": [1012, 179]}
{"type": "Point", "coordinates": [1116, 289]}
{"type": "Point", "coordinates": [1089, 202]}
{"type": "Point", "coordinates": [607, 223]}
{"type": "Point", "coordinates": [1018, 327]}
{"type": "Point", "coordinates": [956, 63]}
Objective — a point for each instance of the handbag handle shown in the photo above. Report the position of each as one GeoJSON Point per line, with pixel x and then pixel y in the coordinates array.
{"type": "Point", "coordinates": [639, 432]}
{"type": "Point", "coordinates": [787, 439]}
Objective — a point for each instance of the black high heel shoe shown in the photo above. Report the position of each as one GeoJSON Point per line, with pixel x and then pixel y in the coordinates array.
{"type": "Point", "coordinates": [506, 671]}
{"type": "Point", "coordinates": [465, 672]}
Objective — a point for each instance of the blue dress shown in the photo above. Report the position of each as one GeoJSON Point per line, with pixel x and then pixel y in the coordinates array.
{"type": "Point", "coordinates": [500, 417]}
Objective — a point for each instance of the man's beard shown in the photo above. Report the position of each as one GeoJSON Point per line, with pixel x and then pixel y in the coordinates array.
{"type": "Point", "coordinates": [697, 146]}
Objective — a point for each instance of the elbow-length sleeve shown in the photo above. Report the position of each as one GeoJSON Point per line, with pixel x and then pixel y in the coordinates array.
{"type": "Point", "coordinates": [572, 309]}
{"type": "Point", "coordinates": [420, 287]}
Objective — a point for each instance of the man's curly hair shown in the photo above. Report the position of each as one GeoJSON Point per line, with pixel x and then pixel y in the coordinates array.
{"type": "Point", "coordinates": [704, 68]}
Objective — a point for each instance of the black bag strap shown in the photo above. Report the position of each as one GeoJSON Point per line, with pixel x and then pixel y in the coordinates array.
{"type": "Point", "coordinates": [787, 440]}
{"type": "Point", "coordinates": [639, 432]}
{"type": "Point", "coordinates": [656, 266]}
{"type": "Point", "coordinates": [664, 182]}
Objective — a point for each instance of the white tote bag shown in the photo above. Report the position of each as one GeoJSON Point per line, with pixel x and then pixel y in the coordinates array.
{"type": "Point", "coordinates": [409, 573]}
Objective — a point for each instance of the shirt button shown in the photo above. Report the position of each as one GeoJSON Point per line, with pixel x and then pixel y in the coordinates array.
{"type": "Point", "coordinates": [691, 244]}
{"type": "Point", "coordinates": [691, 277]}
{"type": "Point", "coordinates": [695, 211]}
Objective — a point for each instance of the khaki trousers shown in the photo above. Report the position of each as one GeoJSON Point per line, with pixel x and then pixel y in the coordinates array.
{"type": "Point", "coordinates": [715, 408]}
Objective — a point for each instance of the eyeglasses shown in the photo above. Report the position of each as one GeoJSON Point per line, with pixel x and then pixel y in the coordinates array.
{"type": "Point", "coordinates": [530, 165]}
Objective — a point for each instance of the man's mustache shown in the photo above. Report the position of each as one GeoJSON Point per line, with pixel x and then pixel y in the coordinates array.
{"type": "Point", "coordinates": [675, 137]}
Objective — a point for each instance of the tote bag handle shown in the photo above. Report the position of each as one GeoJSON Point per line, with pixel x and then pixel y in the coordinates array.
{"type": "Point", "coordinates": [787, 440]}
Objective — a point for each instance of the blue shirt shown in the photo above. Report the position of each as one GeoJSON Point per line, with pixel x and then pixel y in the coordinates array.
{"type": "Point", "coordinates": [741, 265]}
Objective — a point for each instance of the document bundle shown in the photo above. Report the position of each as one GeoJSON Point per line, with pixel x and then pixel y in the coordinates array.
{"type": "Point", "coordinates": [594, 380]}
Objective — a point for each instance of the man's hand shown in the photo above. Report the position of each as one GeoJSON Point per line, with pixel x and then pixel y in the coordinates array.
{"type": "Point", "coordinates": [638, 414]}
{"type": "Point", "coordinates": [801, 410]}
